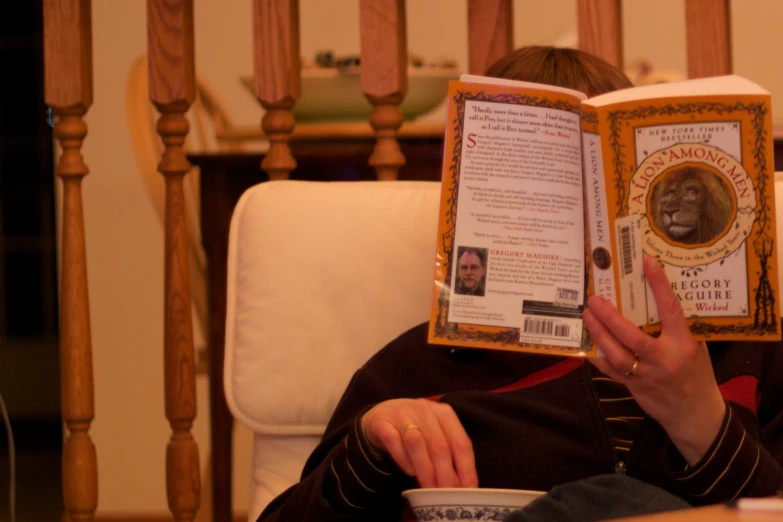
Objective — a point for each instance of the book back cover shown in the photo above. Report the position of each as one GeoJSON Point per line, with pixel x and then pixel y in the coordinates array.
{"type": "Point", "coordinates": [510, 264]}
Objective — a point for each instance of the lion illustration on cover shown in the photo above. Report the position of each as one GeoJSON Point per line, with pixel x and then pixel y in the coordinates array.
{"type": "Point", "coordinates": [691, 205]}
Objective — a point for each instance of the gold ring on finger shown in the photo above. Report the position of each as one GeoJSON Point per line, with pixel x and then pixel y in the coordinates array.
{"type": "Point", "coordinates": [635, 367]}
{"type": "Point", "coordinates": [407, 427]}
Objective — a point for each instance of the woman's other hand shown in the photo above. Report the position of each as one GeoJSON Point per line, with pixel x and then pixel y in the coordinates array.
{"type": "Point", "coordinates": [670, 377]}
{"type": "Point", "coordinates": [426, 440]}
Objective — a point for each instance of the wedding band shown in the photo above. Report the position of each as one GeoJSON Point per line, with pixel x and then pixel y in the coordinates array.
{"type": "Point", "coordinates": [407, 427]}
{"type": "Point", "coordinates": [633, 369]}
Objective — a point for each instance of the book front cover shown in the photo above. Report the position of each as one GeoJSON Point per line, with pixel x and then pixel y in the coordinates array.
{"type": "Point", "coordinates": [691, 182]}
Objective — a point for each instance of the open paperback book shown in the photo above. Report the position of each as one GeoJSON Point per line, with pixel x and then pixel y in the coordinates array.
{"type": "Point", "coordinates": [549, 197]}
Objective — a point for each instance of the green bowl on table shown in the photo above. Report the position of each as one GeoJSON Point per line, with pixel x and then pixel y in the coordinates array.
{"type": "Point", "coordinates": [335, 94]}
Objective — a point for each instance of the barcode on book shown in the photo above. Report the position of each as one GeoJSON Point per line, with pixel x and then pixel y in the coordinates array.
{"type": "Point", "coordinates": [566, 296]}
{"type": "Point", "coordinates": [631, 286]}
{"type": "Point", "coordinates": [545, 327]}
{"type": "Point", "coordinates": [625, 249]}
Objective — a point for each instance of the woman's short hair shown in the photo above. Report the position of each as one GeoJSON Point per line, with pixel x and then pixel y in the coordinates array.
{"type": "Point", "coordinates": [562, 67]}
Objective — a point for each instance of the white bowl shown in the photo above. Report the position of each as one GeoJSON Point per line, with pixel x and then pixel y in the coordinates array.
{"type": "Point", "coordinates": [332, 94]}
{"type": "Point", "coordinates": [436, 504]}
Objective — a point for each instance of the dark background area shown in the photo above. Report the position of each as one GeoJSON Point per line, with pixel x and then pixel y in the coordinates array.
{"type": "Point", "coordinates": [29, 366]}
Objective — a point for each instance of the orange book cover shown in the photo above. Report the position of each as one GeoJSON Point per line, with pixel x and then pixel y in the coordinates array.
{"type": "Point", "coordinates": [548, 198]}
{"type": "Point", "coordinates": [690, 180]}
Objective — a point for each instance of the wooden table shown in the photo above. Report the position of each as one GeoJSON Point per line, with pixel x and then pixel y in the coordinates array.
{"type": "Point", "coordinates": [718, 513]}
{"type": "Point", "coordinates": [324, 152]}
{"type": "Point", "coordinates": [332, 132]}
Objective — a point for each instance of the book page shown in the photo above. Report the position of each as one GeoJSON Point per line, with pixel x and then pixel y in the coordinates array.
{"type": "Point", "coordinates": [514, 258]}
{"type": "Point", "coordinates": [484, 80]}
{"type": "Point", "coordinates": [713, 86]}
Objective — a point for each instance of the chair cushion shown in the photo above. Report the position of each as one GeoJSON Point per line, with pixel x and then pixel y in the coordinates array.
{"type": "Point", "coordinates": [277, 465]}
{"type": "Point", "coordinates": [320, 277]}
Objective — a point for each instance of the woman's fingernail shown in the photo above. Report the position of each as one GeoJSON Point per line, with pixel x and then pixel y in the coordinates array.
{"type": "Point", "coordinates": [587, 317]}
{"type": "Point", "coordinates": [596, 299]}
{"type": "Point", "coordinates": [652, 262]}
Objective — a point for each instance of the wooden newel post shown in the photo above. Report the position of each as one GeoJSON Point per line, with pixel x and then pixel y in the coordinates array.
{"type": "Point", "coordinates": [68, 77]}
{"type": "Point", "coordinates": [708, 37]}
{"type": "Point", "coordinates": [490, 33]}
{"type": "Point", "coordinates": [277, 78]}
{"type": "Point", "coordinates": [384, 70]}
{"type": "Point", "coordinates": [600, 29]}
{"type": "Point", "coordinates": [172, 86]}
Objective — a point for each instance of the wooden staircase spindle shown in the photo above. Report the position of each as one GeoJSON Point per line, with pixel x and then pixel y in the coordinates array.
{"type": "Point", "coordinates": [276, 79]}
{"type": "Point", "coordinates": [708, 37]}
{"type": "Point", "coordinates": [172, 87]}
{"type": "Point", "coordinates": [68, 91]}
{"type": "Point", "coordinates": [600, 28]}
{"type": "Point", "coordinates": [490, 33]}
{"type": "Point", "coordinates": [384, 70]}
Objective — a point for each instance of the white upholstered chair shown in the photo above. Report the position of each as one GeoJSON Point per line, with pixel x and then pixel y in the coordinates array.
{"type": "Point", "coordinates": [320, 277]}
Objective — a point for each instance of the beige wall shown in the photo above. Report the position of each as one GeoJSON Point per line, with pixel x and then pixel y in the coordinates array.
{"type": "Point", "coordinates": [124, 249]}
{"type": "Point", "coordinates": [125, 239]}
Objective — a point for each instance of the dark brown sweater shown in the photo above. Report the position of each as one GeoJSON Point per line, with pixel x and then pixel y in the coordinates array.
{"type": "Point", "coordinates": [535, 422]}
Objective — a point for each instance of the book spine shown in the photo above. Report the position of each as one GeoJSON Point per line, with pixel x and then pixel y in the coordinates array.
{"type": "Point", "coordinates": [599, 256]}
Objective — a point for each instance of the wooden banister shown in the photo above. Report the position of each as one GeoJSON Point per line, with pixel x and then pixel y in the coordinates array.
{"type": "Point", "coordinates": [384, 70]}
{"type": "Point", "coordinates": [68, 91]}
{"type": "Point", "coordinates": [708, 37]}
{"type": "Point", "coordinates": [490, 33]}
{"type": "Point", "coordinates": [277, 78]}
{"type": "Point", "coordinates": [600, 28]}
{"type": "Point", "coordinates": [172, 87]}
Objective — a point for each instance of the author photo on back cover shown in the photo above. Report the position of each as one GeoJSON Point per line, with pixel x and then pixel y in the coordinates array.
{"type": "Point", "coordinates": [471, 271]}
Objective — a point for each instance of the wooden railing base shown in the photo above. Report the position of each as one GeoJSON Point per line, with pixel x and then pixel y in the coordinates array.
{"type": "Point", "coordinates": [278, 123]}
{"type": "Point", "coordinates": [386, 119]}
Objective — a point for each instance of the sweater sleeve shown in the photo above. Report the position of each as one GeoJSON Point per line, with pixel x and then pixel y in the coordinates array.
{"type": "Point", "coordinates": [727, 468]}
{"type": "Point", "coordinates": [343, 480]}
{"type": "Point", "coordinates": [746, 457]}
{"type": "Point", "coordinates": [768, 479]}
{"type": "Point", "coordinates": [359, 479]}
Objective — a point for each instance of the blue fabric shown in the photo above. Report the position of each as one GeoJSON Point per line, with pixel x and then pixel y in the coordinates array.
{"type": "Point", "coordinates": [603, 497]}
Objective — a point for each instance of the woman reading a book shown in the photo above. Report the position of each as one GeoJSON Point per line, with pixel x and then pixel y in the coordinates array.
{"type": "Point", "coordinates": [678, 422]}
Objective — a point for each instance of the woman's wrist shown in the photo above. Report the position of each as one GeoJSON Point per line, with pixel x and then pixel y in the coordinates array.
{"type": "Point", "coordinates": [694, 435]}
